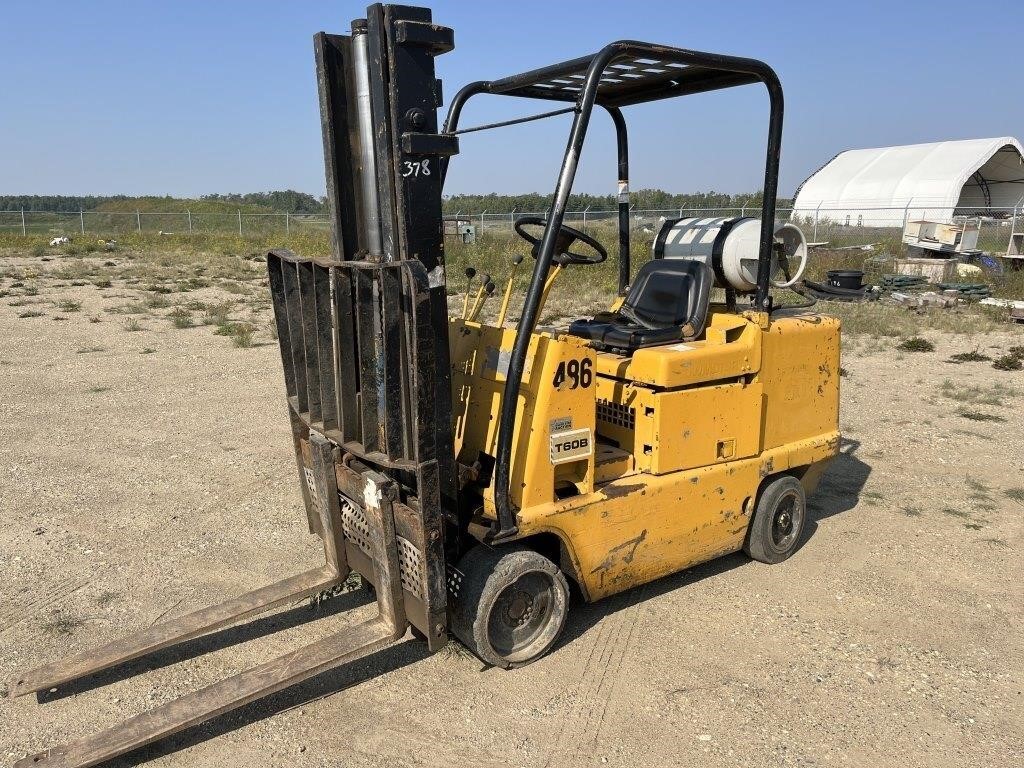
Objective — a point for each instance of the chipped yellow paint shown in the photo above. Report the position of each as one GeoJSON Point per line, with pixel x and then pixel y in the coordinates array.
{"type": "Point", "coordinates": [686, 434]}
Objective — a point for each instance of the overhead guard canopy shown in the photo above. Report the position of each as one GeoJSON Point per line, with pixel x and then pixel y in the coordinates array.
{"type": "Point", "coordinates": [635, 77]}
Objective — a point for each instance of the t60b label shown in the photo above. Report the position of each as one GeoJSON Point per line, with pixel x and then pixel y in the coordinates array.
{"type": "Point", "coordinates": [571, 445]}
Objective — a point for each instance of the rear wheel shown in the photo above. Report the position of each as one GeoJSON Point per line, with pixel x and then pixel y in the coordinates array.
{"type": "Point", "coordinates": [778, 522]}
{"type": "Point", "coordinates": [511, 606]}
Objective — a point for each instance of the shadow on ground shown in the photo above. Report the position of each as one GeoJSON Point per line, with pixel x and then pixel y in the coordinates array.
{"type": "Point", "coordinates": [838, 492]}
{"type": "Point", "coordinates": [214, 641]}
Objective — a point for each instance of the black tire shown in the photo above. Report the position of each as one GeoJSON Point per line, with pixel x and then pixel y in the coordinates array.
{"type": "Point", "coordinates": [778, 524]}
{"type": "Point", "coordinates": [511, 607]}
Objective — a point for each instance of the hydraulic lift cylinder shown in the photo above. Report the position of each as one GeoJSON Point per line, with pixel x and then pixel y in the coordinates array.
{"type": "Point", "coordinates": [364, 123]}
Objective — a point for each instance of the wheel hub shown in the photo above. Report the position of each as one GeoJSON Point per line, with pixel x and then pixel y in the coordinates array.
{"type": "Point", "coordinates": [786, 521]}
{"type": "Point", "coordinates": [519, 609]}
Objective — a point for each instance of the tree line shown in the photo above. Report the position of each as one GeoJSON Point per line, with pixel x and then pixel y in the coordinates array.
{"type": "Point", "coordinates": [281, 201]}
{"type": "Point", "coordinates": [651, 199]}
{"type": "Point", "coordinates": [290, 201]}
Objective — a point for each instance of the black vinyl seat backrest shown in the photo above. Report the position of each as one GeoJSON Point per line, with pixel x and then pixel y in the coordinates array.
{"type": "Point", "coordinates": [670, 292]}
{"type": "Point", "coordinates": [667, 302]}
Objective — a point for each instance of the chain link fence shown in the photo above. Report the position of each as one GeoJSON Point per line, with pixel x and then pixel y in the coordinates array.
{"type": "Point", "coordinates": [113, 223]}
{"type": "Point", "coordinates": [839, 228]}
{"type": "Point", "coordinates": [836, 227]}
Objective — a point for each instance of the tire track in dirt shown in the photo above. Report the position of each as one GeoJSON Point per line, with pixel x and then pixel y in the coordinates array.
{"type": "Point", "coordinates": [51, 596]}
{"type": "Point", "coordinates": [595, 688]}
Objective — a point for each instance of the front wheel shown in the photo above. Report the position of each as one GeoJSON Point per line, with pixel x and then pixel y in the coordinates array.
{"type": "Point", "coordinates": [778, 520]}
{"type": "Point", "coordinates": [511, 607]}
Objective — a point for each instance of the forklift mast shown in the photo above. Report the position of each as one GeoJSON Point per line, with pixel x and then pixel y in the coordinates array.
{"type": "Point", "coordinates": [363, 334]}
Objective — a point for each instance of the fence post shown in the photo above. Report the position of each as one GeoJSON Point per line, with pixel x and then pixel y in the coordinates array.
{"type": "Point", "coordinates": [24, 232]}
{"type": "Point", "coordinates": [81, 220]}
{"type": "Point", "coordinates": [512, 219]}
{"type": "Point", "coordinates": [482, 221]}
{"type": "Point", "coordinates": [138, 221]}
{"type": "Point", "coordinates": [239, 221]}
{"type": "Point", "coordinates": [585, 218]}
{"type": "Point", "coordinates": [814, 237]}
{"type": "Point", "coordinates": [189, 221]}
{"type": "Point", "coordinates": [287, 224]}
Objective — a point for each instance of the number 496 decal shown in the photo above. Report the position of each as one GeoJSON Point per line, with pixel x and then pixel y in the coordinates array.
{"type": "Point", "coordinates": [579, 373]}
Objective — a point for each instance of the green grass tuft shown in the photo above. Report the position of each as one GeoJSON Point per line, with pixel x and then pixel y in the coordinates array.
{"type": "Point", "coordinates": [969, 357]}
{"type": "Point", "coordinates": [1008, 363]}
{"type": "Point", "coordinates": [978, 415]}
{"type": "Point", "coordinates": [181, 318]}
{"type": "Point", "coordinates": [916, 344]}
{"type": "Point", "coordinates": [241, 334]}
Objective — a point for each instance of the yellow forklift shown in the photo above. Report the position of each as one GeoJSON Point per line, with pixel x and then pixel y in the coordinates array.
{"type": "Point", "coordinates": [470, 472]}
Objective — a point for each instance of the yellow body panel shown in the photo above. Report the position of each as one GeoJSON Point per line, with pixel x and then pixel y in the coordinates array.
{"type": "Point", "coordinates": [684, 434]}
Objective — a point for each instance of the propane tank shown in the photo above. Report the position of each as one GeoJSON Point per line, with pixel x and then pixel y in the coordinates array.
{"type": "Point", "coordinates": [730, 246]}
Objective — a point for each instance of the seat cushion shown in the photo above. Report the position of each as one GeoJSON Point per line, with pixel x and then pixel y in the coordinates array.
{"type": "Point", "coordinates": [623, 334]}
{"type": "Point", "coordinates": [670, 298]}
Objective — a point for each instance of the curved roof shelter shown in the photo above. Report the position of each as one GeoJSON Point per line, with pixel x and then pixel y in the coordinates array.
{"type": "Point", "coordinates": [887, 185]}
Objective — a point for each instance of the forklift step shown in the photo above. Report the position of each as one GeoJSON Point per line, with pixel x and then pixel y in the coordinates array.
{"type": "Point", "coordinates": [221, 697]}
{"type": "Point", "coordinates": [175, 631]}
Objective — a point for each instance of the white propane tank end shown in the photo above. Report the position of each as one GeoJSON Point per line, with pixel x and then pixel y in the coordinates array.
{"type": "Point", "coordinates": [741, 248]}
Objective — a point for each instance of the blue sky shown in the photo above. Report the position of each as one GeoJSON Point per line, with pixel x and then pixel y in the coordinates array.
{"type": "Point", "coordinates": [187, 98]}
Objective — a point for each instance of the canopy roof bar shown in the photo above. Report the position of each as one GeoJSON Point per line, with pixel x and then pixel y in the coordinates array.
{"type": "Point", "coordinates": [629, 80]}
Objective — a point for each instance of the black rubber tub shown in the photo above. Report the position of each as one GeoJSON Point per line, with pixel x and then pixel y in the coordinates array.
{"type": "Point", "coordinates": [848, 279]}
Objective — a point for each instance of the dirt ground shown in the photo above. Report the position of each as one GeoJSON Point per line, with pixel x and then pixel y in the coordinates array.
{"type": "Point", "coordinates": [147, 473]}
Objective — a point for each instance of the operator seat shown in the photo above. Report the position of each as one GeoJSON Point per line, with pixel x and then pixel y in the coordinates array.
{"type": "Point", "coordinates": [667, 302]}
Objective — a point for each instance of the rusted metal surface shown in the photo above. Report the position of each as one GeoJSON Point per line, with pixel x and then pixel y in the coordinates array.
{"type": "Point", "coordinates": [325, 482]}
{"type": "Point", "coordinates": [176, 631]}
{"type": "Point", "coordinates": [372, 392]}
{"type": "Point", "coordinates": [364, 348]}
{"type": "Point", "coordinates": [378, 494]}
{"type": "Point", "coordinates": [224, 696]}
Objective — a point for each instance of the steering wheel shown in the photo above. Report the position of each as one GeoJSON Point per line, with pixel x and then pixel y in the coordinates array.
{"type": "Point", "coordinates": [563, 241]}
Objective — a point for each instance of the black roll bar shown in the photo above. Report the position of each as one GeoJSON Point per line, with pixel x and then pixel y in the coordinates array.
{"type": "Point", "coordinates": [451, 126]}
{"type": "Point", "coordinates": [713, 71]}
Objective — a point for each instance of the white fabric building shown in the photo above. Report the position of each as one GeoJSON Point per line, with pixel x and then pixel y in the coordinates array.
{"type": "Point", "coordinates": [886, 186]}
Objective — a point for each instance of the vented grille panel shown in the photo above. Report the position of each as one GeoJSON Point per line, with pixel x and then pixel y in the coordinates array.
{"type": "Point", "coordinates": [410, 566]}
{"type": "Point", "coordinates": [455, 579]}
{"type": "Point", "coordinates": [314, 497]}
{"type": "Point", "coordinates": [355, 528]}
{"type": "Point", "coordinates": [616, 414]}
{"type": "Point", "coordinates": [410, 559]}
